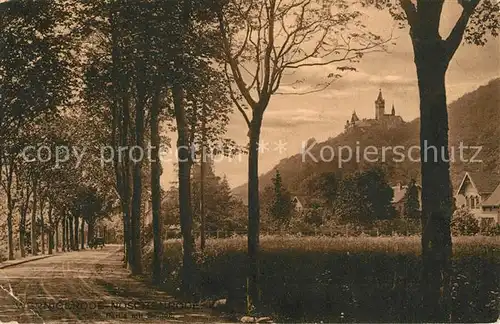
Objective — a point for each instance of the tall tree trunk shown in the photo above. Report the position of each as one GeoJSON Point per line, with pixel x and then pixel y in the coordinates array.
{"type": "Point", "coordinates": [64, 232]}
{"type": "Point", "coordinates": [68, 232]}
{"type": "Point", "coordinates": [51, 230]}
{"type": "Point", "coordinates": [120, 130]}
{"type": "Point", "coordinates": [135, 221]}
{"type": "Point", "coordinates": [42, 224]}
{"type": "Point", "coordinates": [71, 242]}
{"type": "Point", "coordinates": [22, 236]}
{"type": "Point", "coordinates": [76, 218]}
{"type": "Point", "coordinates": [56, 233]}
{"type": "Point", "coordinates": [10, 207]}
{"type": "Point", "coordinates": [156, 188]}
{"type": "Point", "coordinates": [10, 232]}
{"type": "Point", "coordinates": [202, 181]}
{"type": "Point", "coordinates": [126, 210]}
{"type": "Point", "coordinates": [253, 298]}
{"type": "Point", "coordinates": [126, 225]}
{"type": "Point", "coordinates": [82, 235]}
{"type": "Point", "coordinates": [22, 243]}
{"type": "Point", "coordinates": [33, 219]}
{"type": "Point", "coordinates": [432, 55]}
{"type": "Point", "coordinates": [436, 185]}
{"type": "Point", "coordinates": [184, 173]}
{"type": "Point", "coordinates": [90, 232]}
{"type": "Point", "coordinates": [22, 222]}
{"type": "Point", "coordinates": [127, 179]}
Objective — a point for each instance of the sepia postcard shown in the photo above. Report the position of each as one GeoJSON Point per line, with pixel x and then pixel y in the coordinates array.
{"type": "Point", "coordinates": [249, 161]}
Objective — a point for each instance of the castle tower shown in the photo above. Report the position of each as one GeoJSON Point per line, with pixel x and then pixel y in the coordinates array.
{"type": "Point", "coordinates": [379, 106]}
{"type": "Point", "coordinates": [393, 111]}
{"type": "Point", "coordinates": [354, 117]}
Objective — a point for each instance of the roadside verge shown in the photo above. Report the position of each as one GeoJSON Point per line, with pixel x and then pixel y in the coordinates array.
{"type": "Point", "coordinates": [11, 263]}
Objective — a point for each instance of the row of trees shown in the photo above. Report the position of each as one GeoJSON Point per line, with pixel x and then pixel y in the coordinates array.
{"type": "Point", "coordinates": [110, 75]}
{"type": "Point", "coordinates": [363, 197]}
{"type": "Point", "coordinates": [44, 201]}
{"type": "Point", "coordinates": [38, 79]}
{"type": "Point", "coordinates": [154, 64]}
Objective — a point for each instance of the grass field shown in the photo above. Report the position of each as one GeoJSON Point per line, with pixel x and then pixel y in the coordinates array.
{"type": "Point", "coordinates": [357, 279]}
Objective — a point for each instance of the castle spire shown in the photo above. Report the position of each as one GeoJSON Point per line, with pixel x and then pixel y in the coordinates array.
{"type": "Point", "coordinates": [393, 111]}
{"type": "Point", "coordinates": [379, 106]}
{"type": "Point", "coordinates": [380, 97]}
{"type": "Point", "coordinates": [354, 117]}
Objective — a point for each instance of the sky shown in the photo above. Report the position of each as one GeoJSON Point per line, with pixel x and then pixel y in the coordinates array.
{"type": "Point", "coordinates": [291, 120]}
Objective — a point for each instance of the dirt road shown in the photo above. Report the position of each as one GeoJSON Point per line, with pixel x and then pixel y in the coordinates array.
{"type": "Point", "coordinates": [87, 287]}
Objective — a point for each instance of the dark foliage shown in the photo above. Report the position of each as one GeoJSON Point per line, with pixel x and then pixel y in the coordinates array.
{"type": "Point", "coordinates": [304, 285]}
{"type": "Point", "coordinates": [364, 197]}
{"type": "Point", "coordinates": [411, 201]}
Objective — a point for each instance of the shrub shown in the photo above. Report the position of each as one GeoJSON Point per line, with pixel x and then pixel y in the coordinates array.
{"type": "Point", "coordinates": [298, 224]}
{"type": "Point", "coordinates": [464, 223]}
{"type": "Point", "coordinates": [355, 279]}
{"type": "Point", "coordinates": [398, 226]}
{"type": "Point", "coordinates": [492, 230]}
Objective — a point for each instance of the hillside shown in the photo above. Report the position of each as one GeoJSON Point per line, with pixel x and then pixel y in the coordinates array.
{"type": "Point", "coordinates": [474, 120]}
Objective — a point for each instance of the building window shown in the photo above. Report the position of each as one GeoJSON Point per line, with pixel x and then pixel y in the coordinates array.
{"type": "Point", "coordinates": [473, 202]}
{"type": "Point", "coordinates": [486, 222]}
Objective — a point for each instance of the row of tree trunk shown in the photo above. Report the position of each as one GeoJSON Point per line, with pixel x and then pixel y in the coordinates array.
{"type": "Point", "coordinates": [71, 227]}
{"type": "Point", "coordinates": [128, 129]}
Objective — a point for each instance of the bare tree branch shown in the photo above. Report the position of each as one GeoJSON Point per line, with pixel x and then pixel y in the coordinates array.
{"type": "Point", "coordinates": [457, 33]}
{"type": "Point", "coordinates": [270, 11]}
{"type": "Point", "coordinates": [278, 36]}
{"type": "Point", "coordinates": [235, 99]}
{"type": "Point", "coordinates": [233, 63]}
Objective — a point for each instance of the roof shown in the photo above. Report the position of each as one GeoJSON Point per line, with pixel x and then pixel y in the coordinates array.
{"type": "Point", "coordinates": [484, 182]}
{"type": "Point", "coordinates": [303, 200]}
{"type": "Point", "coordinates": [494, 199]}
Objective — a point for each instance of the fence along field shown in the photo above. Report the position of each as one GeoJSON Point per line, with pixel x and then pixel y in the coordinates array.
{"type": "Point", "coordinates": [344, 279]}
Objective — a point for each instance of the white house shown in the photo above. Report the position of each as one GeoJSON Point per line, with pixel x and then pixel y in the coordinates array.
{"type": "Point", "coordinates": [305, 203]}
{"type": "Point", "coordinates": [480, 193]}
{"type": "Point", "coordinates": [299, 203]}
{"type": "Point", "coordinates": [491, 208]}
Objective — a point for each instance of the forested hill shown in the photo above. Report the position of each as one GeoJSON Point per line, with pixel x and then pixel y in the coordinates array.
{"type": "Point", "coordinates": [474, 120]}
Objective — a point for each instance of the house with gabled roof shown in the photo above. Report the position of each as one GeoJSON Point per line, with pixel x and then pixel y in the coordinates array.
{"type": "Point", "coordinates": [480, 193]}
{"type": "Point", "coordinates": [300, 203]}
{"type": "Point", "coordinates": [491, 208]}
{"type": "Point", "coordinates": [303, 204]}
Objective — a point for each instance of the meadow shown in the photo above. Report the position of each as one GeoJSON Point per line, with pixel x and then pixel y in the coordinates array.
{"type": "Point", "coordinates": [343, 279]}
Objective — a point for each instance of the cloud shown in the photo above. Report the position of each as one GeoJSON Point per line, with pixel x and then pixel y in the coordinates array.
{"type": "Point", "coordinates": [366, 80]}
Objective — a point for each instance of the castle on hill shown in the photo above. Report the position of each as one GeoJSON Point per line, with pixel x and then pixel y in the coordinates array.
{"type": "Point", "coordinates": [381, 118]}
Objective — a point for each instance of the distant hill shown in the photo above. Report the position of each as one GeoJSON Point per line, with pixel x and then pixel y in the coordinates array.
{"type": "Point", "coordinates": [474, 120]}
